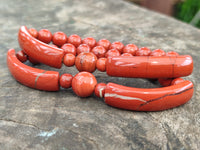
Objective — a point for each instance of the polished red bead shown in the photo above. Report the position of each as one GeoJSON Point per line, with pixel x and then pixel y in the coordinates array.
{"type": "Point", "coordinates": [177, 81]}
{"type": "Point", "coordinates": [75, 40]}
{"type": "Point", "coordinates": [86, 61]}
{"type": "Point", "coordinates": [45, 36]}
{"type": "Point", "coordinates": [53, 45]}
{"type": "Point", "coordinates": [172, 53]}
{"type": "Point", "coordinates": [59, 38]}
{"type": "Point", "coordinates": [99, 51]}
{"type": "Point", "coordinates": [33, 32]}
{"type": "Point", "coordinates": [69, 60]}
{"type": "Point", "coordinates": [101, 64]}
{"type": "Point", "coordinates": [143, 51]}
{"type": "Point", "coordinates": [112, 53]}
{"type": "Point", "coordinates": [66, 80]}
{"type": "Point", "coordinates": [89, 41]}
{"type": "Point", "coordinates": [100, 90]}
{"type": "Point", "coordinates": [21, 56]}
{"type": "Point", "coordinates": [127, 54]}
{"type": "Point", "coordinates": [69, 48]}
{"type": "Point", "coordinates": [117, 45]}
{"type": "Point", "coordinates": [130, 48]}
{"type": "Point", "coordinates": [33, 61]}
{"type": "Point", "coordinates": [83, 48]}
{"type": "Point", "coordinates": [165, 82]}
{"type": "Point", "coordinates": [105, 43]}
{"type": "Point", "coordinates": [158, 52]}
{"type": "Point", "coordinates": [83, 84]}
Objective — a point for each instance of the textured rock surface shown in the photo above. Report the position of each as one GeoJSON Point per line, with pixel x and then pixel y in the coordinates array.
{"type": "Point", "coordinates": [31, 119]}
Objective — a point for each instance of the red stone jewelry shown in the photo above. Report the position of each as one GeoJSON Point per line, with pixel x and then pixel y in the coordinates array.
{"type": "Point", "coordinates": [177, 92]}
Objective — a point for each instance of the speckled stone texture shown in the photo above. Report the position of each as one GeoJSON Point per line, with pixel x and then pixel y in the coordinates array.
{"type": "Point", "coordinates": [32, 119]}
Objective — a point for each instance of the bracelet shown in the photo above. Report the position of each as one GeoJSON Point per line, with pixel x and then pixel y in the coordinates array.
{"type": "Point", "coordinates": [177, 92]}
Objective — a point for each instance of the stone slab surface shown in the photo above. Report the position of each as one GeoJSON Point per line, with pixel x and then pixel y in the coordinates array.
{"type": "Point", "coordinates": [32, 119]}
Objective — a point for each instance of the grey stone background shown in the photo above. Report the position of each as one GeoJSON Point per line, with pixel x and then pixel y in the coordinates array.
{"type": "Point", "coordinates": [32, 119]}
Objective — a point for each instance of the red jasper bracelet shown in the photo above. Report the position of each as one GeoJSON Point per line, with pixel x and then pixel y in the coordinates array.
{"type": "Point", "coordinates": [84, 83]}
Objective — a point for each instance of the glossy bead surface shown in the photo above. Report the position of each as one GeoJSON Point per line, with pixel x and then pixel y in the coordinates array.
{"type": "Point", "coordinates": [69, 48]}
{"type": "Point", "coordinates": [53, 45]}
{"type": "Point", "coordinates": [172, 53]}
{"type": "Point", "coordinates": [165, 82]}
{"type": "Point", "coordinates": [33, 61]}
{"type": "Point", "coordinates": [45, 36]}
{"type": "Point", "coordinates": [117, 45]}
{"type": "Point", "coordinates": [100, 90]}
{"type": "Point", "coordinates": [127, 54]}
{"type": "Point", "coordinates": [101, 64]}
{"type": "Point", "coordinates": [33, 32]}
{"type": "Point", "coordinates": [21, 56]}
{"type": "Point", "coordinates": [177, 81]}
{"type": "Point", "coordinates": [112, 53]}
{"type": "Point", "coordinates": [75, 40]}
{"type": "Point", "coordinates": [69, 60]}
{"type": "Point", "coordinates": [66, 80]}
{"type": "Point", "coordinates": [158, 52]}
{"type": "Point", "coordinates": [83, 84]}
{"type": "Point", "coordinates": [86, 62]}
{"type": "Point", "coordinates": [130, 48]}
{"type": "Point", "coordinates": [83, 48]}
{"type": "Point", "coordinates": [105, 43]}
{"type": "Point", "coordinates": [143, 51]}
{"type": "Point", "coordinates": [99, 51]}
{"type": "Point", "coordinates": [89, 41]}
{"type": "Point", "coordinates": [59, 38]}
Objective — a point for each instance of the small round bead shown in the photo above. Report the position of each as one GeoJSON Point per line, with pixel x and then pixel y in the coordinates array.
{"type": "Point", "coordinates": [127, 54]}
{"type": "Point", "coordinates": [33, 32]}
{"type": "Point", "coordinates": [45, 36]}
{"type": "Point", "coordinates": [112, 53]}
{"type": "Point", "coordinates": [177, 81]}
{"type": "Point", "coordinates": [130, 48]}
{"type": "Point", "coordinates": [66, 80]}
{"type": "Point", "coordinates": [69, 48]}
{"type": "Point", "coordinates": [105, 43]}
{"type": "Point", "coordinates": [100, 90]}
{"type": "Point", "coordinates": [53, 45]}
{"type": "Point", "coordinates": [143, 51]}
{"type": "Point", "coordinates": [86, 62]}
{"type": "Point", "coordinates": [83, 48]}
{"type": "Point", "coordinates": [59, 38]}
{"type": "Point", "coordinates": [99, 51]}
{"type": "Point", "coordinates": [172, 53]}
{"type": "Point", "coordinates": [158, 52]}
{"type": "Point", "coordinates": [75, 40]}
{"type": "Point", "coordinates": [69, 60]}
{"type": "Point", "coordinates": [117, 45]}
{"type": "Point", "coordinates": [83, 84]}
{"type": "Point", "coordinates": [33, 61]}
{"type": "Point", "coordinates": [21, 56]}
{"type": "Point", "coordinates": [101, 64]}
{"type": "Point", "coordinates": [165, 82]}
{"type": "Point", "coordinates": [89, 41]}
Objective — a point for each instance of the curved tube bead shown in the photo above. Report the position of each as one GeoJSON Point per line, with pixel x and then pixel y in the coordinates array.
{"type": "Point", "coordinates": [150, 66]}
{"type": "Point", "coordinates": [38, 50]}
{"type": "Point", "coordinates": [155, 99]}
{"type": "Point", "coordinates": [32, 77]}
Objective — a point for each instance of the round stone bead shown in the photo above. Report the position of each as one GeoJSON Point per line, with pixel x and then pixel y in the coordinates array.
{"type": "Point", "coordinates": [143, 51]}
{"type": "Point", "coordinates": [21, 56]}
{"type": "Point", "coordinates": [89, 41]}
{"type": "Point", "coordinates": [45, 36]}
{"type": "Point", "coordinates": [158, 52]}
{"type": "Point", "coordinates": [83, 84]}
{"type": "Point", "coordinates": [177, 81]}
{"type": "Point", "coordinates": [66, 80]}
{"type": "Point", "coordinates": [172, 53]}
{"type": "Point", "coordinates": [69, 48]}
{"type": "Point", "coordinates": [101, 64]}
{"type": "Point", "coordinates": [127, 54]}
{"type": "Point", "coordinates": [117, 45]}
{"type": "Point", "coordinates": [69, 60]}
{"type": "Point", "coordinates": [99, 51]}
{"type": "Point", "coordinates": [100, 90]}
{"type": "Point", "coordinates": [59, 38]}
{"type": "Point", "coordinates": [83, 48]}
{"type": "Point", "coordinates": [165, 82]}
{"type": "Point", "coordinates": [112, 53]}
{"type": "Point", "coordinates": [33, 32]}
{"type": "Point", "coordinates": [104, 42]}
{"type": "Point", "coordinates": [130, 48]}
{"type": "Point", "coordinates": [86, 62]}
{"type": "Point", "coordinates": [75, 40]}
